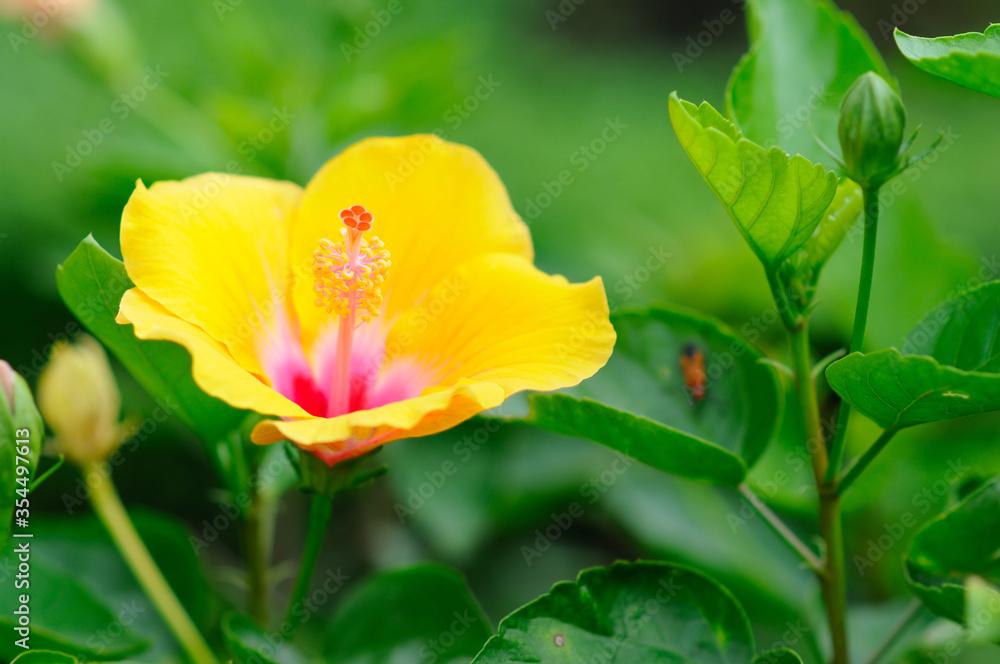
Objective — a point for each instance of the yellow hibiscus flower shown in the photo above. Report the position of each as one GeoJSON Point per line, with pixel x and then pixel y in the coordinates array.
{"type": "Point", "coordinates": [290, 306]}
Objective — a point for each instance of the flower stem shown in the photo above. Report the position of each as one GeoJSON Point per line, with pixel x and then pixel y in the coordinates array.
{"type": "Point", "coordinates": [809, 403]}
{"type": "Point", "coordinates": [782, 530]}
{"type": "Point", "coordinates": [781, 301]}
{"type": "Point", "coordinates": [110, 510]}
{"type": "Point", "coordinates": [864, 460]}
{"type": "Point", "coordinates": [870, 201]}
{"type": "Point", "coordinates": [320, 509]}
{"type": "Point", "coordinates": [236, 474]}
{"type": "Point", "coordinates": [258, 582]}
{"type": "Point", "coordinates": [37, 482]}
{"type": "Point", "coordinates": [831, 576]}
{"type": "Point", "coordinates": [833, 581]}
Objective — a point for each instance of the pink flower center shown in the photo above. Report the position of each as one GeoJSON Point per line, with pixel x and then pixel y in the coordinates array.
{"type": "Point", "coordinates": [309, 380]}
{"type": "Point", "coordinates": [347, 368]}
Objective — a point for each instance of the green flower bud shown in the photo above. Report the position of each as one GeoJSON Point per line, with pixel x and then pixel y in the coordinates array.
{"type": "Point", "coordinates": [21, 435]}
{"type": "Point", "coordinates": [19, 417]}
{"type": "Point", "coordinates": [80, 399]}
{"type": "Point", "coordinates": [872, 121]}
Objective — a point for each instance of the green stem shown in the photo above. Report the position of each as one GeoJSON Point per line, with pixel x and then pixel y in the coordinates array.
{"type": "Point", "coordinates": [862, 462]}
{"type": "Point", "coordinates": [320, 509]}
{"type": "Point", "coordinates": [254, 546]}
{"type": "Point", "coordinates": [897, 631]}
{"type": "Point", "coordinates": [870, 198]}
{"type": "Point", "coordinates": [37, 482]}
{"type": "Point", "coordinates": [781, 301]}
{"type": "Point", "coordinates": [834, 582]}
{"type": "Point", "coordinates": [782, 530]}
{"type": "Point", "coordinates": [870, 201]}
{"type": "Point", "coordinates": [112, 513]}
{"type": "Point", "coordinates": [809, 403]}
{"type": "Point", "coordinates": [831, 576]}
{"type": "Point", "coordinates": [258, 583]}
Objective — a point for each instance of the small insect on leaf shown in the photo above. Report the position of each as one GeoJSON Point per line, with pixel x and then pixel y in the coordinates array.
{"type": "Point", "coordinates": [693, 369]}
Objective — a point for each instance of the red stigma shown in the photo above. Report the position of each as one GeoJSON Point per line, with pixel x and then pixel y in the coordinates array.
{"type": "Point", "coordinates": [357, 217]}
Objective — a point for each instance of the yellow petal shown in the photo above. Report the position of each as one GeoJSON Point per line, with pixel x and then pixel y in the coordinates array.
{"type": "Point", "coordinates": [213, 250]}
{"type": "Point", "coordinates": [357, 432]}
{"type": "Point", "coordinates": [435, 204]}
{"type": "Point", "coordinates": [499, 319]}
{"type": "Point", "coordinates": [213, 366]}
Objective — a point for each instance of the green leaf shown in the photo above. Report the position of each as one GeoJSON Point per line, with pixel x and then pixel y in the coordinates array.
{"type": "Point", "coordinates": [961, 542]}
{"type": "Point", "coordinates": [421, 613]}
{"type": "Point", "coordinates": [971, 59]}
{"type": "Point", "coordinates": [249, 645]}
{"type": "Point", "coordinates": [897, 391]}
{"type": "Point", "coordinates": [699, 526]}
{"type": "Point", "coordinates": [45, 657]}
{"type": "Point", "coordinates": [782, 656]}
{"type": "Point", "coordinates": [629, 612]}
{"type": "Point", "coordinates": [963, 332]}
{"type": "Point", "coordinates": [775, 200]}
{"type": "Point", "coordinates": [654, 444]}
{"type": "Point", "coordinates": [65, 614]}
{"type": "Point", "coordinates": [640, 405]}
{"type": "Point", "coordinates": [91, 282]}
{"type": "Point", "coordinates": [949, 371]}
{"type": "Point", "coordinates": [804, 55]}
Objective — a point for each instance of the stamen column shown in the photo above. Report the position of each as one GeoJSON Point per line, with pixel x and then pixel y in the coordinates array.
{"type": "Point", "coordinates": [349, 275]}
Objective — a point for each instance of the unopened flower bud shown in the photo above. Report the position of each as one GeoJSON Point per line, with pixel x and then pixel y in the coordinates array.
{"type": "Point", "coordinates": [20, 426]}
{"type": "Point", "coordinates": [80, 400]}
{"type": "Point", "coordinates": [48, 17]}
{"type": "Point", "coordinates": [872, 121]}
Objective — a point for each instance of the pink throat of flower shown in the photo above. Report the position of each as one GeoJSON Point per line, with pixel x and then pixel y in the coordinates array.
{"type": "Point", "coordinates": [311, 380]}
{"type": "Point", "coordinates": [346, 369]}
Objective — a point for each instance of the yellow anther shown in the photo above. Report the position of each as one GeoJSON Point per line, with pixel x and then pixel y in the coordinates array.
{"type": "Point", "coordinates": [349, 274]}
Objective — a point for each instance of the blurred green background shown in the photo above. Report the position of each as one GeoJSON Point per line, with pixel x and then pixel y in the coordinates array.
{"type": "Point", "coordinates": [102, 94]}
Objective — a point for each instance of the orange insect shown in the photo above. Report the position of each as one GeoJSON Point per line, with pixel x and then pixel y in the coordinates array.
{"type": "Point", "coordinates": [693, 368]}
